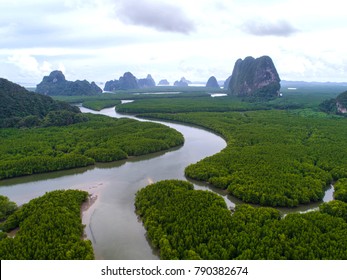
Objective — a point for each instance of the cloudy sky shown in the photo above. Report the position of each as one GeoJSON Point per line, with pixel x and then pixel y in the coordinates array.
{"type": "Point", "coordinates": [99, 40]}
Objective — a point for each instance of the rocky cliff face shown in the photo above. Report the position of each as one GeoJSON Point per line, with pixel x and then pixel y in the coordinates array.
{"type": "Point", "coordinates": [341, 109]}
{"type": "Point", "coordinates": [226, 83]}
{"type": "Point", "coordinates": [341, 103]}
{"type": "Point", "coordinates": [127, 81]}
{"type": "Point", "coordinates": [255, 78]}
{"type": "Point", "coordinates": [56, 84]}
{"type": "Point", "coordinates": [212, 82]}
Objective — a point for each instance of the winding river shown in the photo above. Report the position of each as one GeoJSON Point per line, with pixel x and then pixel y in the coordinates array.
{"type": "Point", "coordinates": [111, 222]}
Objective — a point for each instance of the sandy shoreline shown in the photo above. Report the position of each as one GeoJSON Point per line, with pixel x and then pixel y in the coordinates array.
{"type": "Point", "coordinates": [88, 207]}
{"type": "Point", "coordinates": [94, 192]}
{"type": "Point", "coordinates": [90, 201]}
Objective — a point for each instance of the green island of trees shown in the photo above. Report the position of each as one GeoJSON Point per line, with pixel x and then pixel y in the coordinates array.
{"type": "Point", "coordinates": [100, 139]}
{"type": "Point", "coordinates": [48, 228]}
{"type": "Point", "coordinates": [184, 223]}
{"type": "Point", "coordinates": [273, 157]}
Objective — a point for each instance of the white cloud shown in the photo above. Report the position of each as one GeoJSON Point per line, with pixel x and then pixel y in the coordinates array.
{"type": "Point", "coordinates": [61, 67]}
{"type": "Point", "coordinates": [46, 67]}
{"type": "Point", "coordinates": [263, 27]}
{"type": "Point", "coordinates": [25, 63]}
{"type": "Point", "coordinates": [155, 14]}
{"type": "Point", "coordinates": [29, 66]}
{"type": "Point", "coordinates": [102, 39]}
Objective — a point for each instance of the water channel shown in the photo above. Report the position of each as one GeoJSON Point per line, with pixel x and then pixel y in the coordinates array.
{"type": "Point", "coordinates": [111, 222]}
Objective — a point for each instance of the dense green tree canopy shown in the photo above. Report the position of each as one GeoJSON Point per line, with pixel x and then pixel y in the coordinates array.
{"type": "Point", "coordinates": [189, 224]}
{"type": "Point", "coordinates": [273, 158]}
{"type": "Point", "coordinates": [7, 207]}
{"type": "Point", "coordinates": [50, 228]}
{"type": "Point", "coordinates": [100, 139]}
{"type": "Point", "coordinates": [335, 208]}
{"type": "Point", "coordinates": [341, 190]}
{"type": "Point", "coordinates": [21, 108]}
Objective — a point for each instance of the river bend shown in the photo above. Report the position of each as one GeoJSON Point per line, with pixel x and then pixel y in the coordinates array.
{"type": "Point", "coordinates": [111, 222]}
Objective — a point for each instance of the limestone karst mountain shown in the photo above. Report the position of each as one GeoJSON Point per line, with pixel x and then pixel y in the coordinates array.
{"type": "Point", "coordinates": [183, 82]}
{"type": "Point", "coordinates": [163, 82]}
{"type": "Point", "coordinates": [255, 78]}
{"type": "Point", "coordinates": [146, 82]}
{"type": "Point", "coordinates": [56, 84]}
{"type": "Point", "coordinates": [125, 82]}
{"type": "Point", "coordinates": [212, 82]}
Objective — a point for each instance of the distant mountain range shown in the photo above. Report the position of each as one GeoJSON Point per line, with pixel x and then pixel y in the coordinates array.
{"type": "Point", "coordinates": [285, 83]}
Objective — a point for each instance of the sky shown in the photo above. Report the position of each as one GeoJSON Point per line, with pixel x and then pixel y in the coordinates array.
{"type": "Point", "coordinates": [100, 40]}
